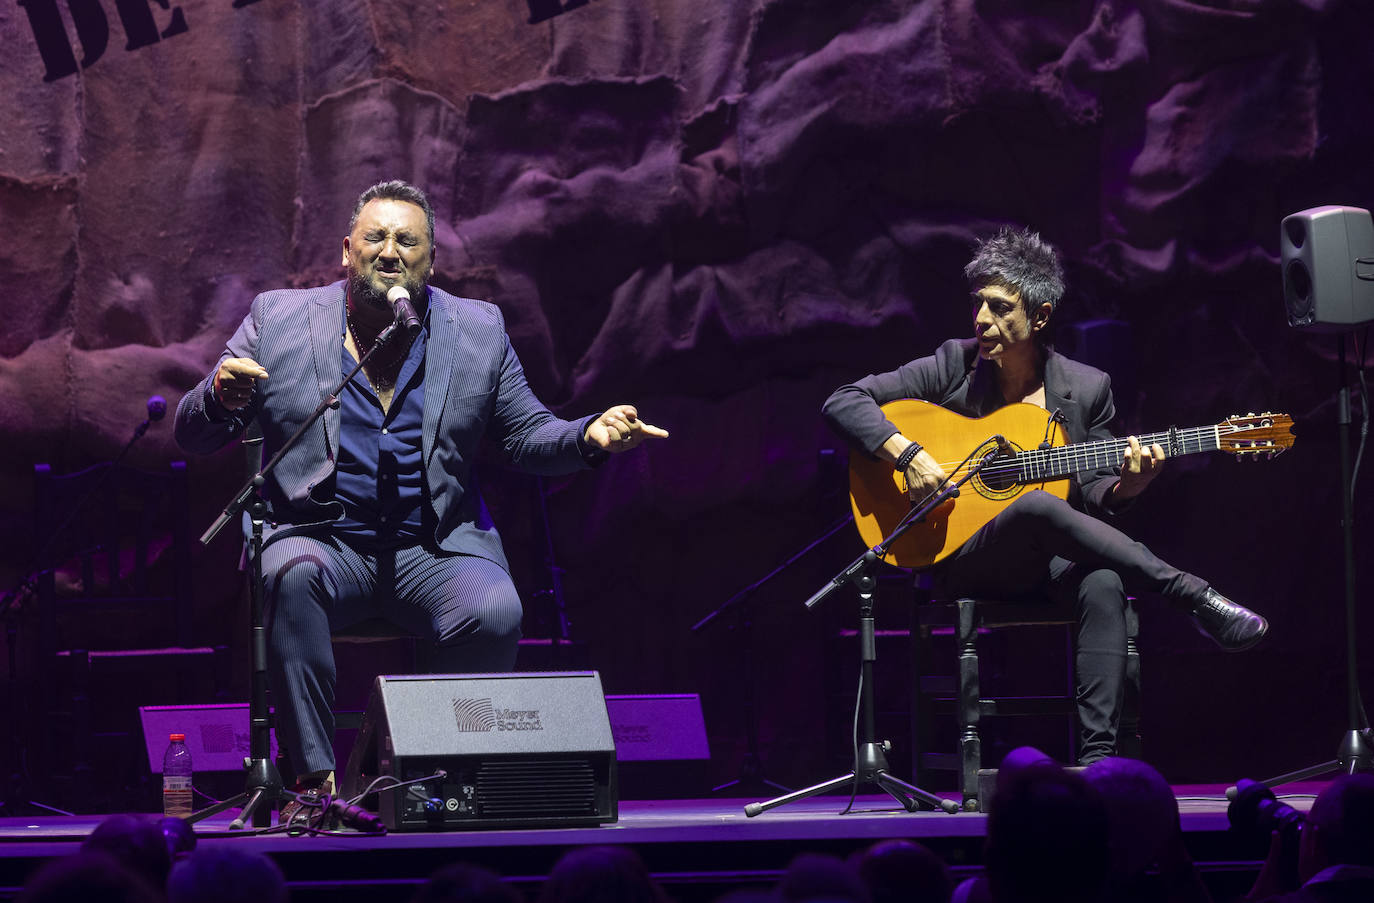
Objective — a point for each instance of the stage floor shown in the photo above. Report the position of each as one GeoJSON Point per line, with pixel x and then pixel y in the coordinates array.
{"type": "Point", "coordinates": [696, 848]}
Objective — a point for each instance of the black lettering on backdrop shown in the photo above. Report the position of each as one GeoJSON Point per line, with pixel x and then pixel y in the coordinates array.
{"type": "Point", "coordinates": [542, 10]}
{"type": "Point", "coordinates": [139, 26]}
{"type": "Point", "coordinates": [51, 35]}
{"type": "Point", "coordinates": [92, 26]}
{"type": "Point", "coordinates": [93, 30]}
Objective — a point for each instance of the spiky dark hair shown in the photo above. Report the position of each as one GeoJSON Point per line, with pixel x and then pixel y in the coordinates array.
{"type": "Point", "coordinates": [1021, 260]}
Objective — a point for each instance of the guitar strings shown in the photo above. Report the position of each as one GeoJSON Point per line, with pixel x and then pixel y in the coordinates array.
{"type": "Point", "coordinates": [1061, 454]}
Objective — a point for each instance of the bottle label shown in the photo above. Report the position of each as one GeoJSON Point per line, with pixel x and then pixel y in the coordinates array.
{"type": "Point", "coordinates": [175, 783]}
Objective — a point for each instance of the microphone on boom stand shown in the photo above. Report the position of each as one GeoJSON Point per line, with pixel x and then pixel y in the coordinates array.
{"type": "Point", "coordinates": [399, 299]}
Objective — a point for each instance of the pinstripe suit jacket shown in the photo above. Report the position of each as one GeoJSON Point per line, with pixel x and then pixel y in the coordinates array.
{"type": "Point", "coordinates": [474, 386]}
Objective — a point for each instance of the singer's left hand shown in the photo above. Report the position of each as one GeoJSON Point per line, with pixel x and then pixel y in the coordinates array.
{"type": "Point", "coordinates": [1139, 466]}
{"type": "Point", "coordinates": [620, 429]}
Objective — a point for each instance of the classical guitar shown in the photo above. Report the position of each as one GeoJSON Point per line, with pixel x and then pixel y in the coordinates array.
{"type": "Point", "coordinates": [1038, 459]}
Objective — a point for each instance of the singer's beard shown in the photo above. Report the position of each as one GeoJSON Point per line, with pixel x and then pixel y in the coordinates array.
{"type": "Point", "coordinates": [362, 290]}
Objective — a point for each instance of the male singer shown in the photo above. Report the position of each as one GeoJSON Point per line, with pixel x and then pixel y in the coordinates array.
{"type": "Point", "coordinates": [376, 512]}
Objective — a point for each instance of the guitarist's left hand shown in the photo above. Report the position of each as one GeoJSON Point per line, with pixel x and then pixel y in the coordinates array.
{"type": "Point", "coordinates": [1139, 465]}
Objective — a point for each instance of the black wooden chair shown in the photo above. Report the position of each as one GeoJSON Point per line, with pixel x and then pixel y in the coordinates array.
{"type": "Point", "coordinates": [967, 620]}
{"type": "Point", "coordinates": [115, 613]}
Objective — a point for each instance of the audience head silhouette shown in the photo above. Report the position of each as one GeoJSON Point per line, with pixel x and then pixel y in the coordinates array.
{"type": "Point", "coordinates": [1047, 838]}
{"type": "Point", "coordinates": [602, 874]}
{"type": "Point", "coordinates": [87, 876]}
{"type": "Point", "coordinates": [463, 883]}
{"type": "Point", "coordinates": [817, 877]}
{"type": "Point", "coordinates": [1340, 826]}
{"type": "Point", "coordinates": [226, 874]}
{"type": "Point", "coordinates": [137, 843]}
{"type": "Point", "coordinates": [901, 871]}
{"type": "Point", "coordinates": [1141, 811]}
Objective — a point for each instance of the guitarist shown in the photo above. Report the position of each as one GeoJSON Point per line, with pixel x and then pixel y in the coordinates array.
{"type": "Point", "coordinates": [1040, 545]}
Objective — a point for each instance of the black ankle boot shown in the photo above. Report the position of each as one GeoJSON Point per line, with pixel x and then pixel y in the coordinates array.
{"type": "Point", "coordinates": [1233, 627]}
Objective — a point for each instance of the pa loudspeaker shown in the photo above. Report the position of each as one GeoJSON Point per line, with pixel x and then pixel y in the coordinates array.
{"type": "Point", "coordinates": [1328, 267]}
{"type": "Point", "coordinates": [518, 750]}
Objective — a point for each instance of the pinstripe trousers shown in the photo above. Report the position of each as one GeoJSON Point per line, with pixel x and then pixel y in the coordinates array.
{"type": "Point", "coordinates": [318, 585]}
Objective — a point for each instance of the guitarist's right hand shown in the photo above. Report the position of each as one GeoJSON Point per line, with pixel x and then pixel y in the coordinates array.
{"type": "Point", "coordinates": [923, 475]}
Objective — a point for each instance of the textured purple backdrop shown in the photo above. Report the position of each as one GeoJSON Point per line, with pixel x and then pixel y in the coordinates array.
{"type": "Point", "coordinates": [721, 211]}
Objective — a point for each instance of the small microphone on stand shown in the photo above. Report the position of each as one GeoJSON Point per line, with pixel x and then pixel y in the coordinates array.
{"type": "Point", "coordinates": [1056, 417]}
{"type": "Point", "coordinates": [157, 409]}
{"type": "Point", "coordinates": [1004, 446]}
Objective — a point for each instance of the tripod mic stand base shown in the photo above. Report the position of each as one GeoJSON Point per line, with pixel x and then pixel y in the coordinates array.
{"type": "Point", "coordinates": [262, 788]}
{"type": "Point", "coordinates": [1355, 755]}
{"type": "Point", "coordinates": [1357, 752]}
{"type": "Point", "coordinates": [872, 770]}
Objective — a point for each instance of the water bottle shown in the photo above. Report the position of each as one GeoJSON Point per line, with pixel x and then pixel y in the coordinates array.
{"type": "Point", "coordinates": [176, 778]}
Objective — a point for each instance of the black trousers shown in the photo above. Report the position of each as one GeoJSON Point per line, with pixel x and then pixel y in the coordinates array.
{"type": "Point", "coordinates": [1041, 546]}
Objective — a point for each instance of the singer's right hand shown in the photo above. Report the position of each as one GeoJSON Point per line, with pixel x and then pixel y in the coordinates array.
{"type": "Point", "coordinates": [234, 381]}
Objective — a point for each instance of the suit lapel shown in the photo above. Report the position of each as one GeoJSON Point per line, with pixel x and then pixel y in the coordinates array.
{"type": "Point", "coordinates": [441, 350]}
{"type": "Point", "coordinates": [1059, 397]}
{"type": "Point", "coordinates": [326, 338]}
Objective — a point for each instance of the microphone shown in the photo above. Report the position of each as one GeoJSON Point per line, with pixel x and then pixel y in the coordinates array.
{"type": "Point", "coordinates": [1056, 417]}
{"type": "Point", "coordinates": [157, 409]}
{"type": "Point", "coordinates": [399, 299]}
{"type": "Point", "coordinates": [356, 816]}
{"type": "Point", "coordinates": [1004, 448]}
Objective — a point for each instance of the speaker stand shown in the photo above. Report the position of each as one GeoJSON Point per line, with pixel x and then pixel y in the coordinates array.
{"type": "Point", "coordinates": [1355, 751]}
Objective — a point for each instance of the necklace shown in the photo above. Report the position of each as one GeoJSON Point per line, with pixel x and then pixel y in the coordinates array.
{"type": "Point", "coordinates": [381, 383]}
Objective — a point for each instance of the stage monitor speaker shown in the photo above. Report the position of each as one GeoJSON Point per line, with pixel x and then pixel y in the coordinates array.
{"type": "Point", "coordinates": [1328, 267]}
{"type": "Point", "coordinates": [217, 735]}
{"type": "Point", "coordinates": [519, 750]}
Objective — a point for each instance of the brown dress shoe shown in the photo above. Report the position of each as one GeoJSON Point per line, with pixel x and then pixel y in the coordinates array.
{"type": "Point", "coordinates": [307, 812]}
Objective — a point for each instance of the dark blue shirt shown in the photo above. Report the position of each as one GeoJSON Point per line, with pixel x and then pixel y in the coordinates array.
{"type": "Point", "coordinates": [380, 476]}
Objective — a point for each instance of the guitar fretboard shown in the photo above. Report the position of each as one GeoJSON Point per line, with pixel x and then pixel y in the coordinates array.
{"type": "Point", "coordinates": [1034, 465]}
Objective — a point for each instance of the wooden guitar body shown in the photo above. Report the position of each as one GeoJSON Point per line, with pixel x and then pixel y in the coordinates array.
{"type": "Point", "coordinates": [1038, 459]}
{"type": "Point", "coordinates": [878, 494]}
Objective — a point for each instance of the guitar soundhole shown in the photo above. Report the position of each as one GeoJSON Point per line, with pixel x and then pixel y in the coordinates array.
{"type": "Point", "coordinates": [998, 478]}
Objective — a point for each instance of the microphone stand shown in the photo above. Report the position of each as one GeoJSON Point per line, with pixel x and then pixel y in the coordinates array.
{"type": "Point", "coordinates": [24, 588]}
{"type": "Point", "coordinates": [40, 557]}
{"type": "Point", "coordinates": [870, 765]}
{"type": "Point", "coordinates": [263, 784]}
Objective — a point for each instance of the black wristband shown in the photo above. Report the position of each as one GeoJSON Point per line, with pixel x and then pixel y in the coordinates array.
{"type": "Point", "coordinates": [907, 456]}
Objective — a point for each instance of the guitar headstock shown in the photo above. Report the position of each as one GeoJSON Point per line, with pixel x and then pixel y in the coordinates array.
{"type": "Point", "coordinates": [1256, 435]}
